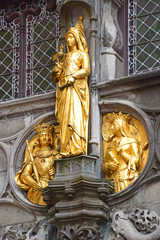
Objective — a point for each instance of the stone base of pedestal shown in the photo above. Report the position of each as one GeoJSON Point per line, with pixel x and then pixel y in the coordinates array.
{"type": "Point", "coordinates": [75, 199]}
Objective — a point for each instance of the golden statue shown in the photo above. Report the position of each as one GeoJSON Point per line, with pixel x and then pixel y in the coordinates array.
{"type": "Point", "coordinates": [125, 149]}
{"type": "Point", "coordinates": [38, 167]}
{"type": "Point", "coordinates": [72, 96]}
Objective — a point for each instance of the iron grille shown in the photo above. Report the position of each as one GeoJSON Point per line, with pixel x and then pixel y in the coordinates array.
{"type": "Point", "coordinates": [9, 58]}
{"type": "Point", "coordinates": [144, 35]}
{"type": "Point", "coordinates": [42, 42]}
{"type": "Point", "coordinates": [42, 34]}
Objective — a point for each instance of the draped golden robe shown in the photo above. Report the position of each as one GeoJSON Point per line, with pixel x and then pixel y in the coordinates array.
{"type": "Point", "coordinates": [72, 103]}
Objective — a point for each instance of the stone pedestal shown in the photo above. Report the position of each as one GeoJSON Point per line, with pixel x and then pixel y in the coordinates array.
{"type": "Point", "coordinates": [75, 199]}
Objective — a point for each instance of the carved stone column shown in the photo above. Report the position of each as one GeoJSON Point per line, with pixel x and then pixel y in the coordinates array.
{"type": "Point", "coordinates": [111, 39]}
{"type": "Point", "coordinates": [94, 109]}
{"type": "Point", "coordinates": [75, 199]}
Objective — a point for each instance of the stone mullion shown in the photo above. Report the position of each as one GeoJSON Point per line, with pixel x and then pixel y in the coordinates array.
{"type": "Point", "coordinates": [22, 66]}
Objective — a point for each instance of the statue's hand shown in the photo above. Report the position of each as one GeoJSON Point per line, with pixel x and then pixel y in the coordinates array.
{"type": "Point", "coordinates": [54, 152]}
{"type": "Point", "coordinates": [59, 65]}
{"type": "Point", "coordinates": [110, 167]}
{"type": "Point", "coordinates": [56, 72]}
{"type": "Point", "coordinates": [71, 80]}
{"type": "Point", "coordinates": [37, 186]}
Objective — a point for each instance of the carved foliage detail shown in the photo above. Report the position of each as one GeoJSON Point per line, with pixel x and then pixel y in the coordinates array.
{"type": "Point", "coordinates": [144, 220]}
{"type": "Point", "coordinates": [78, 232]}
{"type": "Point", "coordinates": [138, 222]}
{"type": "Point", "coordinates": [26, 231]}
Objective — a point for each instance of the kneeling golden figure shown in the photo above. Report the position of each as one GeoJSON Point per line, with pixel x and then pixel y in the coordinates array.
{"type": "Point", "coordinates": [125, 149]}
{"type": "Point", "coordinates": [37, 167]}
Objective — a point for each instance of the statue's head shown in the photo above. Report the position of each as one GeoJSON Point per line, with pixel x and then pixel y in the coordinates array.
{"type": "Point", "coordinates": [45, 134]}
{"type": "Point", "coordinates": [120, 124]}
{"type": "Point", "coordinates": [79, 36]}
{"type": "Point", "coordinates": [71, 40]}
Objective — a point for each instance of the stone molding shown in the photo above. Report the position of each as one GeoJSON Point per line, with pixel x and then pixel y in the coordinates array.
{"type": "Point", "coordinates": [121, 86]}
{"type": "Point", "coordinates": [157, 136]}
{"type": "Point", "coordinates": [30, 104]}
{"type": "Point", "coordinates": [3, 170]}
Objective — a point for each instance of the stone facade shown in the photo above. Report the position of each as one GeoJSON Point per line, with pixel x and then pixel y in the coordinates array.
{"type": "Point", "coordinates": [84, 196]}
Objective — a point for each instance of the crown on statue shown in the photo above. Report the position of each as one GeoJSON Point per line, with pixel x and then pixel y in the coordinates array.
{"type": "Point", "coordinates": [122, 116]}
{"type": "Point", "coordinates": [113, 116]}
{"type": "Point", "coordinates": [44, 128]}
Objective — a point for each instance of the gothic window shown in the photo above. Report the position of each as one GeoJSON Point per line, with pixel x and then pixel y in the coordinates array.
{"type": "Point", "coordinates": [29, 36]}
{"type": "Point", "coordinates": [143, 35]}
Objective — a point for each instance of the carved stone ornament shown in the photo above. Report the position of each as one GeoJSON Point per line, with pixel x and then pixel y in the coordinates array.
{"type": "Point", "coordinates": [26, 231]}
{"type": "Point", "coordinates": [112, 41]}
{"type": "Point", "coordinates": [125, 149]}
{"type": "Point", "coordinates": [76, 199]}
{"type": "Point", "coordinates": [111, 34]}
{"type": "Point", "coordinates": [80, 232]}
{"type": "Point", "coordinates": [139, 224]}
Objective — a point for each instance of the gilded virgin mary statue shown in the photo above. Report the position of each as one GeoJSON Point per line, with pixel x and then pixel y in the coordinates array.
{"type": "Point", "coordinates": [72, 96]}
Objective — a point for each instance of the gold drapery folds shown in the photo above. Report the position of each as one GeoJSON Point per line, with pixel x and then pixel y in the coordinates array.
{"type": "Point", "coordinates": [125, 148]}
{"type": "Point", "coordinates": [38, 167]}
{"type": "Point", "coordinates": [72, 96]}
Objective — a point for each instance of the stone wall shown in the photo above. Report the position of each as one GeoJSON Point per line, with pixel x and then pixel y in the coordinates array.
{"type": "Point", "coordinates": [19, 218]}
{"type": "Point", "coordinates": [138, 206]}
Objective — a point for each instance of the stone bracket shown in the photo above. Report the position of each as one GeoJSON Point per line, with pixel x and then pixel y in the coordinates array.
{"type": "Point", "coordinates": [75, 199]}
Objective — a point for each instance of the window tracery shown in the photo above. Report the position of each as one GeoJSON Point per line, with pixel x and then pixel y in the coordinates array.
{"type": "Point", "coordinates": [143, 36]}
{"type": "Point", "coordinates": [40, 35]}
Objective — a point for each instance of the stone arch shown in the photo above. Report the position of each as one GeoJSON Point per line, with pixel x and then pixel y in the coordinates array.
{"type": "Point", "coordinates": [4, 160]}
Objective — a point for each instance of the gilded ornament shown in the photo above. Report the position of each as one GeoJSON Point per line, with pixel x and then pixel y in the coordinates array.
{"type": "Point", "coordinates": [38, 167]}
{"type": "Point", "coordinates": [72, 96]}
{"type": "Point", "coordinates": [125, 147]}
